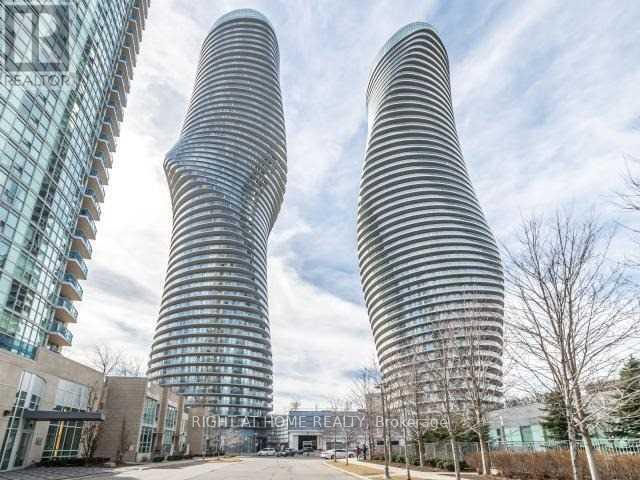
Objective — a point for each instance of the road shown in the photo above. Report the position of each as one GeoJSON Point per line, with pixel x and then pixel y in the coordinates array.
{"type": "Point", "coordinates": [255, 468]}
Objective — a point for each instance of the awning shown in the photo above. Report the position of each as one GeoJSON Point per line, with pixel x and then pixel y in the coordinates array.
{"type": "Point", "coordinates": [51, 415]}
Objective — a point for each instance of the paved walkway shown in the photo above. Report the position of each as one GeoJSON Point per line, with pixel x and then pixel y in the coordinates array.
{"type": "Point", "coordinates": [54, 473]}
{"type": "Point", "coordinates": [60, 473]}
{"type": "Point", "coordinates": [248, 468]}
{"type": "Point", "coordinates": [397, 472]}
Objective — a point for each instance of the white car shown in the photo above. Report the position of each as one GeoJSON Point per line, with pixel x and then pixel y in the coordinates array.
{"type": "Point", "coordinates": [337, 453]}
{"type": "Point", "coordinates": [267, 452]}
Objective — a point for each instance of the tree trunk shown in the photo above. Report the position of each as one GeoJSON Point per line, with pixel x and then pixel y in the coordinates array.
{"type": "Point", "coordinates": [406, 452]}
{"type": "Point", "coordinates": [588, 450]}
{"type": "Point", "coordinates": [586, 438]}
{"type": "Point", "coordinates": [484, 455]}
{"type": "Point", "coordinates": [420, 448]}
{"type": "Point", "coordinates": [573, 451]}
{"type": "Point", "coordinates": [454, 452]}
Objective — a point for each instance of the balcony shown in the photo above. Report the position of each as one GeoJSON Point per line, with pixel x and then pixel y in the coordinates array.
{"type": "Point", "coordinates": [125, 78]}
{"type": "Point", "coordinates": [128, 56]}
{"type": "Point", "coordinates": [124, 69]}
{"type": "Point", "coordinates": [122, 83]}
{"type": "Point", "coordinates": [65, 311]}
{"type": "Point", "coordinates": [81, 244]}
{"type": "Point", "coordinates": [86, 224]}
{"type": "Point", "coordinates": [95, 184]}
{"type": "Point", "coordinates": [76, 265]}
{"type": "Point", "coordinates": [70, 288]}
{"type": "Point", "coordinates": [90, 203]}
{"type": "Point", "coordinates": [132, 40]}
{"type": "Point", "coordinates": [114, 101]}
{"type": "Point", "coordinates": [134, 28]}
{"type": "Point", "coordinates": [102, 149]}
{"type": "Point", "coordinates": [60, 335]}
{"type": "Point", "coordinates": [107, 137]}
{"type": "Point", "coordinates": [111, 117]}
{"type": "Point", "coordinates": [100, 168]}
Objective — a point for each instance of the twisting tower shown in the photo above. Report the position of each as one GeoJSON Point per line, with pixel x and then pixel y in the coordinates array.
{"type": "Point", "coordinates": [427, 256]}
{"type": "Point", "coordinates": [227, 177]}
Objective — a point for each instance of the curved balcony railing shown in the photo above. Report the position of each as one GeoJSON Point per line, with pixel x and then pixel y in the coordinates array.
{"type": "Point", "coordinates": [65, 311]}
{"type": "Point", "coordinates": [86, 224]}
{"type": "Point", "coordinates": [71, 288]}
{"type": "Point", "coordinates": [76, 264]}
{"type": "Point", "coordinates": [60, 335]}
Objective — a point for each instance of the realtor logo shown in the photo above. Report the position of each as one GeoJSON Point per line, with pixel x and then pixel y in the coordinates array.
{"type": "Point", "coordinates": [36, 41]}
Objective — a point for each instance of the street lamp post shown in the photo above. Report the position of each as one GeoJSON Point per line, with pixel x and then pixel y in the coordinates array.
{"type": "Point", "coordinates": [387, 452]}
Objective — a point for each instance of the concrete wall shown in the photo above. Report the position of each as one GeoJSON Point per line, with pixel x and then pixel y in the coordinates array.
{"type": "Point", "coordinates": [123, 412]}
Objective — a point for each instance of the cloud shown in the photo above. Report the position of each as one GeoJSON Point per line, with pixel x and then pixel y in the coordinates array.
{"type": "Point", "coordinates": [122, 287]}
{"type": "Point", "coordinates": [545, 101]}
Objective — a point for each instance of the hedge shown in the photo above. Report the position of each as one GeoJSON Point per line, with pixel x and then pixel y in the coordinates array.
{"type": "Point", "coordinates": [557, 465]}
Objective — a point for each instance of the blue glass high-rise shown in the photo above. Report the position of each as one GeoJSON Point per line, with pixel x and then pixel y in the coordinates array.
{"type": "Point", "coordinates": [56, 147]}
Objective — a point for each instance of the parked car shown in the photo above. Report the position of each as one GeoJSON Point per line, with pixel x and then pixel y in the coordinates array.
{"type": "Point", "coordinates": [287, 452]}
{"type": "Point", "coordinates": [267, 452]}
{"type": "Point", "coordinates": [337, 453]}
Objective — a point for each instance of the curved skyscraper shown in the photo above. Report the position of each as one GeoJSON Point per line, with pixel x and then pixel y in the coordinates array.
{"type": "Point", "coordinates": [226, 175]}
{"type": "Point", "coordinates": [427, 256]}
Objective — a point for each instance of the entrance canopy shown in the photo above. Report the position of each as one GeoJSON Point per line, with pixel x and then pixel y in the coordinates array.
{"type": "Point", "coordinates": [52, 415]}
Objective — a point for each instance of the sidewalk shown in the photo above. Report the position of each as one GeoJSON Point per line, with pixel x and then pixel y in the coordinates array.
{"type": "Point", "coordinates": [62, 473]}
{"type": "Point", "coordinates": [401, 473]}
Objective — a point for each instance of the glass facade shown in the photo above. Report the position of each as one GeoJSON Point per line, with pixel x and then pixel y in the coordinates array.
{"type": "Point", "coordinates": [63, 437]}
{"type": "Point", "coordinates": [428, 259]}
{"type": "Point", "coordinates": [19, 433]}
{"type": "Point", "coordinates": [55, 151]}
{"type": "Point", "coordinates": [170, 426]}
{"type": "Point", "coordinates": [149, 428]}
{"type": "Point", "coordinates": [227, 176]}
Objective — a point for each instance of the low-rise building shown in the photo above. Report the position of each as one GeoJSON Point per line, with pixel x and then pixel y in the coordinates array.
{"type": "Point", "coordinates": [521, 423]}
{"type": "Point", "coordinates": [328, 429]}
{"type": "Point", "coordinates": [142, 420]}
{"type": "Point", "coordinates": [45, 403]}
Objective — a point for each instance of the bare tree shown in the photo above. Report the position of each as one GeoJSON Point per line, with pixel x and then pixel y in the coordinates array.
{"type": "Point", "coordinates": [363, 393]}
{"type": "Point", "coordinates": [444, 382]}
{"type": "Point", "coordinates": [629, 199]}
{"type": "Point", "coordinates": [385, 399]}
{"type": "Point", "coordinates": [334, 427]}
{"type": "Point", "coordinates": [105, 359]}
{"type": "Point", "coordinates": [129, 367]}
{"type": "Point", "coordinates": [114, 362]}
{"type": "Point", "coordinates": [479, 352]}
{"type": "Point", "coordinates": [399, 408]}
{"type": "Point", "coordinates": [572, 313]}
{"type": "Point", "coordinates": [91, 431]}
{"type": "Point", "coordinates": [630, 196]}
{"type": "Point", "coordinates": [351, 428]}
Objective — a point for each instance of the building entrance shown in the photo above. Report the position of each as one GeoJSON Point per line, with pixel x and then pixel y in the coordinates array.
{"type": "Point", "coordinates": [308, 441]}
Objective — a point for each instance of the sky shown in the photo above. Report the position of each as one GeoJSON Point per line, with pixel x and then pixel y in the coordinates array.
{"type": "Point", "coordinates": [547, 105]}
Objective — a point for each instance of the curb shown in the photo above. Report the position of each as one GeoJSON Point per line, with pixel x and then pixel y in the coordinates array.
{"type": "Point", "coordinates": [345, 472]}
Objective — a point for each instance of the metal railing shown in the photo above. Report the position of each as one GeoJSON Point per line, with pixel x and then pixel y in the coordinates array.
{"type": "Point", "coordinates": [604, 446]}
{"type": "Point", "coordinates": [60, 329]}
{"type": "Point", "coordinates": [66, 303]}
